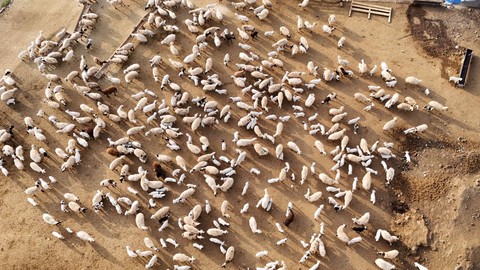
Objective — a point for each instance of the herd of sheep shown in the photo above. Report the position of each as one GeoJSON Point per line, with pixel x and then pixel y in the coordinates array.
{"type": "Point", "coordinates": [255, 91]}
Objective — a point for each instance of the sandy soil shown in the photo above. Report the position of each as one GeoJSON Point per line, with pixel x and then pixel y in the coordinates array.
{"type": "Point", "coordinates": [431, 204]}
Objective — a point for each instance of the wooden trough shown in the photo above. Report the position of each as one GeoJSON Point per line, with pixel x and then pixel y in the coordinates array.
{"type": "Point", "coordinates": [128, 39]}
{"type": "Point", "coordinates": [427, 2]}
{"type": "Point", "coordinates": [465, 70]}
{"type": "Point", "coordinates": [371, 9]}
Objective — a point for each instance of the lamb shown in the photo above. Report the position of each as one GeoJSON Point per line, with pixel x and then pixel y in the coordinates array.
{"type": "Point", "coordinates": [341, 42]}
{"type": "Point", "coordinates": [304, 3]}
{"type": "Point", "coordinates": [455, 80]}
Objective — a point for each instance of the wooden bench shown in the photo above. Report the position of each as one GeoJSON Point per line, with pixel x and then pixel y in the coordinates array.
{"type": "Point", "coordinates": [465, 70]}
{"type": "Point", "coordinates": [371, 9]}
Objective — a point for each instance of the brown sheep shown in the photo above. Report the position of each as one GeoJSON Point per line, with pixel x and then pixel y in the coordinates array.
{"type": "Point", "coordinates": [89, 131]}
{"type": "Point", "coordinates": [110, 90]}
{"type": "Point", "coordinates": [112, 151]}
{"type": "Point", "coordinates": [158, 170]}
{"type": "Point", "coordinates": [289, 217]}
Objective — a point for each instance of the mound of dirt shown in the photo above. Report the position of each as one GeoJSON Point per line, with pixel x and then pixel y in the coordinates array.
{"type": "Point", "coordinates": [411, 229]}
{"type": "Point", "coordinates": [434, 39]}
{"type": "Point", "coordinates": [437, 194]}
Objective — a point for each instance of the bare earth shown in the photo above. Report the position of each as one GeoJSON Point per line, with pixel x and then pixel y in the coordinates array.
{"type": "Point", "coordinates": [433, 201]}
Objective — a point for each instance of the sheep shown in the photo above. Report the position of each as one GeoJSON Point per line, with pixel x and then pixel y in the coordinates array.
{"type": "Point", "coordinates": [419, 266]}
{"type": "Point", "coordinates": [361, 98]}
{"type": "Point", "coordinates": [392, 254]}
{"type": "Point", "coordinates": [34, 166]}
{"type": "Point", "coordinates": [434, 105]}
{"type": "Point", "coordinates": [50, 219]}
{"type": "Point", "coordinates": [390, 124]}
{"type": "Point", "coordinates": [140, 221]}
{"type": "Point", "coordinates": [341, 42]}
{"type": "Point", "coordinates": [183, 258]}
{"type": "Point", "coordinates": [285, 32]}
{"type": "Point", "coordinates": [412, 80]}
{"type": "Point", "coordinates": [304, 3]}
{"type": "Point", "coordinates": [362, 67]}
{"type": "Point", "coordinates": [455, 80]}
{"type": "Point", "coordinates": [363, 220]}
{"type": "Point", "coordinates": [309, 26]}
{"type": "Point", "coordinates": [336, 135]}
{"type": "Point", "coordinates": [327, 29]}
{"type": "Point", "coordinates": [313, 197]}
{"type": "Point", "coordinates": [253, 225]}
{"type": "Point", "coordinates": [310, 100]}
{"type": "Point", "coordinates": [289, 216]}
{"type": "Point", "coordinates": [384, 265]}
{"type": "Point", "coordinates": [242, 18]}
{"type": "Point", "coordinates": [110, 90]}
{"type": "Point", "coordinates": [130, 76]}
{"type": "Point", "coordinates": [294, 147]}
{"type": "Point", "coordinates": [229, 255]}
{"type": "Point", "coordinates": [419, 128]}
{"type": "Point", "coordinates": [341, 234]}
{"type": "Point", "coordinates": [385, 235]}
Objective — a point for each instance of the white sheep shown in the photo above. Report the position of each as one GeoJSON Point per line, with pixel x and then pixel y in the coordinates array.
{"type": "Point", "coordinates": [363, 220]}
{"type": "Point", "coordinates": [140, 221]}
{"type": "Point", "coordinates": [327, 29]}
{"type": "Point", "coordinates": [34, 166]}
{"type": "Point", "coordinates": [229, 256]}
{"type": "Point", "coordinates": [412, 80]}
{"type": "Point", "coordinates": [362, 67]}
{"type": "Point", "coordinates": [341, 234]}
{"type": "Point", "coordinates": [385, 235]}
{"type": "Point", "coordinates": [151, 262]}
{"type": "Point", "coordinates": [391, 254]}
{"type": "Point", "coordinates": [437, 106]}
{"type": "Point", "coordinates": [294, 147]}
{"type": "Point", "coordinates": [390, 124]}
{"type": "Point", "coordinates": [85, 236]}
{"type": "Point", "coordinates": [455, 80]}
{"type": "Point", "coordinates": [361, 98]}
{"type": "Point", "coordinates": [253, 225]}
{"type": "Point", "coordinates": [183, 258]}
{"type": "Point", "coordinates": [419, 266]}
{"type": "Point", "coordinates": [384, 265]}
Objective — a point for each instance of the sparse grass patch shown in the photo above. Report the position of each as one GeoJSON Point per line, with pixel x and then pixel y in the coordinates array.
{"type": "Point", "coordinates": [4, 3]}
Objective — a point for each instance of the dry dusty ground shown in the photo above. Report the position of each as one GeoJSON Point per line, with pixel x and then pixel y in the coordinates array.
{"type": "Point", "coordinates": [431, 204]}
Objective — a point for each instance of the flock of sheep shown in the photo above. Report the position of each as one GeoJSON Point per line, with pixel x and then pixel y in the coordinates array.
{"type": "Point", "coordinates": [254, 94]}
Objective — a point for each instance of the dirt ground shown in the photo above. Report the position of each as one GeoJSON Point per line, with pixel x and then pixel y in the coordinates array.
{"type": "Point", "coordinates": [431, 204]}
